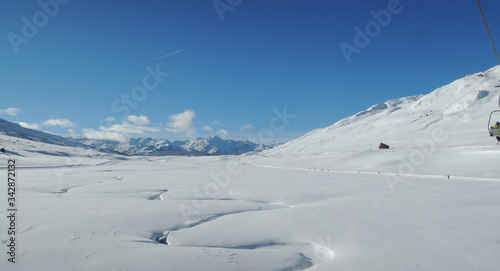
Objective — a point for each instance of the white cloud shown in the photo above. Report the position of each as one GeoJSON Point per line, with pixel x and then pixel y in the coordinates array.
{"type": "Point", "coordinates": [11, 111]}
{"type": "Point", "coordinates": [30, 125]}
{"type": "Point", "coordinates": [119, 132]}
{"type": "Point", "coordinates": [65, 123]}
{"type": "Point", "coordinates": [58, 122]}
{"type": "Point", "coordinates": [217, 123]}
{"type": "Point", "coordinates": [223, 133]}
{"type": "Point", "coordinates": [129, 128]}
{"type": "Point", "coordinates": [132, 126]}
{"type": "Point", "coordinates": [72, 132]}
{"type": "Point", "coordinates": [207, 128]}
{"type": "Point", "coordinates": [182, 123]}
{"type": "Point", "coordinates": [247, 127]}
{"type": "Point", "coordinates": [104, 135]}
{"type": "Point", "coordinates": [139, 120]}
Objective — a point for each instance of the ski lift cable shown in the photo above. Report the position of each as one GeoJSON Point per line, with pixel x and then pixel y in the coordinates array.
{"type": "Point", "coordinates": [491, 38]}
{"type": "Point", "coordinates": [488, 28]}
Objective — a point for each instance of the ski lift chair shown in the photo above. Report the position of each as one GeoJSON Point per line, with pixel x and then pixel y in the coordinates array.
{"type": "Point", "coordinates": [494, 131]}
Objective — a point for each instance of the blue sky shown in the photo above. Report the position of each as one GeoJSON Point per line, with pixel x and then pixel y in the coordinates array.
{"type": "Point", "coordinates": [233, 69]}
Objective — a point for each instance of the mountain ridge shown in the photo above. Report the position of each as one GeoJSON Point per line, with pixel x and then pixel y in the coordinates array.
{"type": "Point", "coordinates": [16, 130]}
{"type": "Point", "coordinates": [459, 109]}
{"type": "Point", "coordinates": [213, 145]}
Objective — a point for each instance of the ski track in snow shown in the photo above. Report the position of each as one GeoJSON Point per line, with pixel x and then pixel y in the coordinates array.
{"type": "Point", "coordinates": [306, 262]}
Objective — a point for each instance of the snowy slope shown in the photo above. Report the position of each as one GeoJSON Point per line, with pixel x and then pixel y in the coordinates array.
{"type": "Point", "coordinates": [85, 210]}
{"type": "Point", "coordinates": [460, 110]}
{"type": "Point", "coordinates": [16, 130]}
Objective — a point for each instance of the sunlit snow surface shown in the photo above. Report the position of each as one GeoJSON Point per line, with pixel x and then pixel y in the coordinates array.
{"type": "Point", "coordinates": [328, 201]}
{"type": "Point", "coordinates": [107, 212]}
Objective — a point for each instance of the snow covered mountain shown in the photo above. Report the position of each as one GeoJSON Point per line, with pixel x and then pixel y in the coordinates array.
{"type": "Point", "coordinates": [217, 145]}
{"type": "Point", "coordinates": [16, 130]}
{"type": "Point", "coordinates": [458, 112]}
{"type": "Point", "coordinates": [454, 115]}
{"type": "Point", "coordinates": [157, 147]}
{"type": "Point", "coordinates": [139, 146]}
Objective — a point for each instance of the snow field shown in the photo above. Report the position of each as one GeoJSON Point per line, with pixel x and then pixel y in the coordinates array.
{"type": "Point", "coordinates": [276, 214]}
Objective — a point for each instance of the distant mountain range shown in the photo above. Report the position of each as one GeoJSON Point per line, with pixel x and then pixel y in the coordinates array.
{"type": "Point", "coordinates": [157, 147]}
{"type": "Point", "coordinates": [139, 146]}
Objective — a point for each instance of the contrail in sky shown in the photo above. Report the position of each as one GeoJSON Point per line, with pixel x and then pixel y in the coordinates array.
{"type": "Point", "coordinates": [166, 56]}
